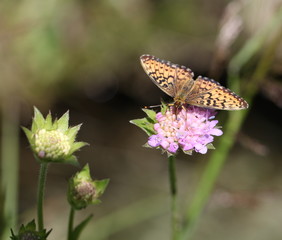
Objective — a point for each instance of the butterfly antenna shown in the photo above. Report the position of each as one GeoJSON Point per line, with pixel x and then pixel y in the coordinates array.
{"type": "Point", "coordinates": [153, 106]}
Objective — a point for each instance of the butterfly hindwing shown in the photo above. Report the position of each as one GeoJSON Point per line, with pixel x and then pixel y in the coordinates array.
{"type": "Point", "coordinates": [210, 94]}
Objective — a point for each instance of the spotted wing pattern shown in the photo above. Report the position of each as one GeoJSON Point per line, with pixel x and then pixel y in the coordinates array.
{"type": "Point", "coordinates": [168, 76]}
{"type": "Point", "coordinates": [210, 94]}
{"type": "Point", "coordinates": [177, 81]}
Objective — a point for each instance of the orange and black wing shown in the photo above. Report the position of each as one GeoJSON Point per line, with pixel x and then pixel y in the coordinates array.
{"type": "Point", "coordinates": [168, 76]}
{"type": "Point", "coordinates": [210, 94]}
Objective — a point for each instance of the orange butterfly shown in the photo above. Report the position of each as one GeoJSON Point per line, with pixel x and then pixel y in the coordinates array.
{"type": "Point", "coordinates": [177, 81]}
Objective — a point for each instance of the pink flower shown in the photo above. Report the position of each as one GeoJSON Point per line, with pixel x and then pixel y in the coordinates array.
{"type": "Point", "coordinates": [191, 129]}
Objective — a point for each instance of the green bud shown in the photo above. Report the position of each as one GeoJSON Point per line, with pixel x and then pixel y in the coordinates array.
{"type": "Point", "coordinates": [83, 191]}
{"type": "Point", "coordinates": [53, 141]}
{"type": "Point", "coordinates": [51, 144]}
{"type": "Point", "coordinates": [29, 232]}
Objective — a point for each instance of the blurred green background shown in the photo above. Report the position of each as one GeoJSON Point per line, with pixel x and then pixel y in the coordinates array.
{"type": "Point", "coordinates": [83, 56]}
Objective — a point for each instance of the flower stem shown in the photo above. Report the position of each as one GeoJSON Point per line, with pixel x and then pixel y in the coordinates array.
{"type": "Point", "coordinates": [40, 194]}
{"type": "Point", "coordinates": [9, 165]}
{"type": "Point", "coordinates": [173, 192]}
{"type": "Point", "coordinates": [70, 226]}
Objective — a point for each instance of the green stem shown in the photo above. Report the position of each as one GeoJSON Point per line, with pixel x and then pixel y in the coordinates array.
{"type": "Point", "coordinates": [70, 226]}
{"type": "Point", "coordinates": [40, 194]}
{"type": "Point", "coordinates": [9, 165]}
{"type": "Point", "coordinates": [173, 192]}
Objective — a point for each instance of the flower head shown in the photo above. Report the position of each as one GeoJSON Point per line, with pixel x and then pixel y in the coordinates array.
{"type": "Point", "coordinates": [188, 128]}
{"type": "Point", "coordinates": [53, 141]}
{"type": "Point", "coordinates": [29, 232]}
{"type": "Point", "coordinates": [83, 191]}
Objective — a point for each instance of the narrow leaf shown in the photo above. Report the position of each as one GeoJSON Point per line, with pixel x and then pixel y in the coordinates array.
{"type": "Point", "coordinates": [150, 113]}
{"type": "Point", "coordinates": [38, 120]}
{"type": "Point", "coordinates": [77, 145]}
{"type": "Point", "coordinates": [72, 160]}
{"type": "Point", "coordinates": [78, 229]}
{"type": "Point", "coordinates": [145, 125]}
{"type": "Point", "coordinates": [72, 132]}
{"type": "Point", "coordinates": [63, 122]}
{"type": "Point", "coordinates": [101, 185]}
{"type": "Point", "coordinates": [48, 121]}
{"type": "Point", "coordinates": [28, 133]}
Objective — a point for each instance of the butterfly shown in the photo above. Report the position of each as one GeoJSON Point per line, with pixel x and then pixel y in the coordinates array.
{"type": "Point", "coordinates": [177, 81]}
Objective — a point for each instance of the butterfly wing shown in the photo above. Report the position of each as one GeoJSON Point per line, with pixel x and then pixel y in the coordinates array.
{"type": "Point", "coordinates": [210, 94]}
{"type": "Point", "coordinates": [160, 72]}
{"type": "Point", "coordinates": [184, 82]}
{"type": "Point", "coordinates": [168, 76]}
{"type": "Point", "coordinates": [177, 81]}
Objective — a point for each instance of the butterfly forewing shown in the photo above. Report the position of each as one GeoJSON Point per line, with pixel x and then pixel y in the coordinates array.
{"type": "Point", "coordinates": [160, 72]}
{"type": "Point", "coordinates": [169, 77]}
{"type": "Point", "coordinates": [210, 94]}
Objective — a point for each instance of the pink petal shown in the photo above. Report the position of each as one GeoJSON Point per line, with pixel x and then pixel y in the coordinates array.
{"type": "Point", "coordinates": [216, 132]}
{"type": "Point", "coordinates": [203, 150]}
{"type": "Point", "coordinates": [154, 141]}
{"type": "Point", "coordinates": [173, 147]}
{"type": "Point", "coordinates": [165, 144]}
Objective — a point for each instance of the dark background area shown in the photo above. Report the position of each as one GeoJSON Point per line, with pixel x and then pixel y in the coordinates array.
{"type": "Point", "coordinates": [83, 56]}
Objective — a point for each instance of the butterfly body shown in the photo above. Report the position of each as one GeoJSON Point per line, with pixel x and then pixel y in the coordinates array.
{"type": "Point", "coordinates": [177, 81]}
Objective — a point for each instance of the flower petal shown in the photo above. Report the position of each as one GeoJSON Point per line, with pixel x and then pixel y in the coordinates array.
{"type": "Point", "coordinates": [154, 141]}
{"type": "Point", "coordinates": [203, 150]}
{"type": "Point", "coordinates": [216, 132]}
{"type": "Point", "coordinates": [173, 147]}
{"type": "Point", "coordinates": [192, 128]}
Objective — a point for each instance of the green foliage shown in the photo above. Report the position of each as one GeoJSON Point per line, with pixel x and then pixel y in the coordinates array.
{"type": "Point", "coordinates": [147, 123]}
{"type": "Point", "coordinates": [78, 229]}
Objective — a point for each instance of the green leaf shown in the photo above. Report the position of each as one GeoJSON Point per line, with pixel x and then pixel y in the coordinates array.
{"type": "Point", "coordinates": [189, 152]}
{"type": "Point", "coordinates": [71, 160]}
{"type": "Point", "coordinates": [145, 125]}
{"type": "Point", "coordinates": [31, 225]}
{"type": "Point", "coordinates": [48, 121]}
{"type": "Point", "coordinates": [78, 229]}
{"type": "Point", "coordinates": [210, 146]}
{"type": "Point", "coordinates": [38, 120]}
{"type": "Point", "coordinates": [101, 185]}
{"type": "Point", "coordinates": [28, 134]}
{"type": "Point", "coordinates": [85, 173]}
{"type": "Point", "coordinates": [150, 113]}
{"type": "Point", "coordinates": [55, 125]}
{"type": "Point", "coordinates": [72, 132]}
{"type": "Point", "coordinates": [77, 145]}
{"type": "Point", "coordinates": [63, 122]}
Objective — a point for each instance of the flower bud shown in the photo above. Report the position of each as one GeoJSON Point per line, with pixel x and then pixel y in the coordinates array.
{"type": "Point", "coordinates": [83, 191]}
{"type": "Point", "coordinates": [53, 141]}
{"type": "Point", "coordinates": [29, 232]}
{"type": "Point", "coordinates": [51, 144]}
